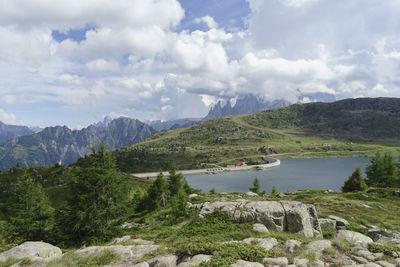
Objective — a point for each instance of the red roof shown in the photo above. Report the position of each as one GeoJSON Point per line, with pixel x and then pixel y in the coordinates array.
{"type": "Point", "coordinates": [239, 164]}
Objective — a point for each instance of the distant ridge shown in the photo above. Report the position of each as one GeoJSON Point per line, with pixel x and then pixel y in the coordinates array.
{"type": "Point", "coordinates": [8, 132]}
{"type": "Point", "coordinates": [61, 144]}
{"type": "Point", "coordinates": [246, 105]}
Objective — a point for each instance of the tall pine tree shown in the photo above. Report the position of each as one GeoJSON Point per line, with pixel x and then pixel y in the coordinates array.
{"type": "Point", "coordinates": [29, 209]}
{"type": "Point", "coordinates": [99, 197]}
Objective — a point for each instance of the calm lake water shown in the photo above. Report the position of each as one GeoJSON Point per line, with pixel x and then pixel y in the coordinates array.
{"type": "Point", "coordinates": [291, 175]}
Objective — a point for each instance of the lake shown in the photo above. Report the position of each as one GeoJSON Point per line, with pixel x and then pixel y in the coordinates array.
{"type": "Point", "coordinates": [291, 175]}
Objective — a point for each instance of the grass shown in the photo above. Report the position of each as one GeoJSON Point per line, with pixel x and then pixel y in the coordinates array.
{"type": "Point", "coordinates": [69, 260]}
{"type": "Point", "coordinates": [387, 249]}
{"type": "Point", "coordinates": [12, 261]}
{"type": "Point", "coordinates": [231, 139]}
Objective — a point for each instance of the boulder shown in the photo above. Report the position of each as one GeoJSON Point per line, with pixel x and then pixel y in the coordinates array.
{"type": "Point", "coordinates": [385, 264]}
{"type": "Point", "coordinates": [289, 216]}
{"type": "Point", "coordinates": [292, 245]}
{"type": "Point", "coordinates": [281, 261]}
{"type": "Point", "coordinates": [251, 194]}
{"type": "Point", "coordinates": [127, 253]}
{"type": "Point", "coordinates": [163, 261]}
{"type": "Point", "coordinates": [241, 263]}
{"type": "Point", "coordinates": [33, 251]}
{"type": "Point", "coordinates": [261, 228]}
{"type": "Point", "coordinates": [319, 246]}
{"type": "Point", "coordinates": [327, 224]}
{"type": "Point", "coordinates": [352, 237]}
{"type": "Point", "coordinates": [195, 260]}
{"type": "Point", "coordinates": [384, 236]}
{"type": "Point", "coordinates": [193, 195]}
{"type": "Point", "coordinates": [340, 222]}
{"type": "Point", "coordinates": [267, 243]}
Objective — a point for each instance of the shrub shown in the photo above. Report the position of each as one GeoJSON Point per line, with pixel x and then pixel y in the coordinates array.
{"type": "Point", "coordinates": [387, 249]}
{"type": "Point", "coordinates": [355, 182]}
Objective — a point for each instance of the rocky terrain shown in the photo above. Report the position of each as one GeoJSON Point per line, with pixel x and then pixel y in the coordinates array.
{"type": "Point", "coordinates": [301, 242]}
{"type": "Point", "coordinates": [61, 144]}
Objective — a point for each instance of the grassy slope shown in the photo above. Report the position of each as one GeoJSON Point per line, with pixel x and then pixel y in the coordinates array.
{"type": "Point", "coordinates": [220, 140]}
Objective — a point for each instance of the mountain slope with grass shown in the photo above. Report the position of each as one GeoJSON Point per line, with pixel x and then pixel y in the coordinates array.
{"type": "Point", "coordinates": [343, 128]}
{"type": "Point", "coordinates": [61, 144]}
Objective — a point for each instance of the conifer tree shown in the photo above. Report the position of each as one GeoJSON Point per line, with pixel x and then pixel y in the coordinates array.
{"type": "Point", "coordinates": [355, 182]}
{"type": "Point", "coordinates": [157, 193]}
{"type": "Point", "coordinates": [175, 181]}
{"type": "Point", "coordinates": [29, 209]}
{"type": "Point", "coordinates": [99, 196]}
{"type": "Point", "coordinates": [256, 186]}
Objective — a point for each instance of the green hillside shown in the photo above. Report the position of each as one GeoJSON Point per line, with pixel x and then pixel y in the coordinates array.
{"type": "Point", "coordinates": [352, 127]}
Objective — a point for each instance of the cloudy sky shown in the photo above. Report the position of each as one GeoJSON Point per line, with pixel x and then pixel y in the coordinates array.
{"type": "Point", "coordinates": [72, 62]}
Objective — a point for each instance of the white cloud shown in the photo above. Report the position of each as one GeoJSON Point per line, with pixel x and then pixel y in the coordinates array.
{"type": "Point", "coordinates": [133, 61]}
{"type": "Point", "coordinates": [209, 21]}
{"type": "Point", "coordinates": [7, 118]}
{"type": "Point", "coordinates": [100, 65]}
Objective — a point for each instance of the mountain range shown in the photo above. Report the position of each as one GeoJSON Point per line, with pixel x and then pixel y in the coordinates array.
{"type": "Point", "coordinates": [348, 127]}
{"type": "Point", "coordinates": [11, 131]}
{"type": "Point", "coordinates": [61, 144]}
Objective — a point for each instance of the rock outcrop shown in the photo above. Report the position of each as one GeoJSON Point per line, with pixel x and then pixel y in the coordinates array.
{"type": "Point", "coordinates": [291, 216]}
{"type": "Point", "coordinates": [33, 251]}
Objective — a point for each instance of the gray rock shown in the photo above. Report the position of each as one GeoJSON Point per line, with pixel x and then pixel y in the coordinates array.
{"type": "Point", "coordinates": [121, 239]}
{"type": "Point", "coordinates": [289, 216]}
{"type": "Point", "coordinates": [281, 261]}
{"type": "Point", "coordinates": [300, 262]}
{"type": "Point", "coordinates": [292, 245]}
{"type": "Point", "coordinates": [34, 251]}
{"type": "Point", "coordinates": [298, 219]}
{"type": "Point", "coordinates": [318, 263]}
{"type": "Point", "coordinates": [385, 264]}
{"type": "Point", "coordinates": [384, 236]}
{"type": "Point", "coordinates": [327, 224]}
{"type": "Point", "coordinates": [163, 261]}
{"type": "Point", "coordinates": [267, 243]}
{"type": "Point", "coordinates": [397, 261]}
{"type": "Point", "coordinates": [352, 237]}
{"type": "Point", "coordinates": [127, 253]}
{"type": "Point", "coordinates": [314, 220]}
{"type": "Point", "coordinates": [258, 227]}
{"type": "Point", "coordinates": [360, 260]}
{"type": "Point", "coordinates": [193, 195]}
{"type": "Point", "coordinates": [319, 246]}
{"type": "Point", "coordinates": [241, 263]}
{"type": "Point", "coordinates": [128, 264]}
{"type": "Point", "coordinates": [340, 222]}
{"type": "Point", "coordinates": [195, 260]}
{"type": "Point", "coordinates": [251, 194]}
{"type": "Point", "coordinates": [366, 254]}
{"type": "Point", "coordinates": [371, 264]}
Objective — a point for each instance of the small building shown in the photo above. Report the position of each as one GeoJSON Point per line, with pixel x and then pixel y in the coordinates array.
{"type": "Point", "coordinates": [239, 164]}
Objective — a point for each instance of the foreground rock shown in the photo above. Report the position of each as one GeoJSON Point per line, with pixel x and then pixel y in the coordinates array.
{"type": "Point", "coordinates": [163, 261]}
{"type": "Point", "coordinates": [127, 253]}
{"type": "Point", "coordinates": [195, 260]}
{"type": "Point", "coordinates": [267, 243]}
{"type": "Point", "coordinates": [241, 263]}
{"type": "Point", "coordinates": [33, 251]}
{"type": "Point", "coordinates": [291, 216]}
{"type": "Point", "coordinates": [353, 237]}
{"type": "Point", "coordinates": [384, 236]}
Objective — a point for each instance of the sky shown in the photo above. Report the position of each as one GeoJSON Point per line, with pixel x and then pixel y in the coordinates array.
{"type": "Point", "coordinates": [74, 62]}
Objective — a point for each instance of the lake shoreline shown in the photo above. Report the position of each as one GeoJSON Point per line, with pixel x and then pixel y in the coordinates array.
{"type": "Point", "coordinates": [272, 162]}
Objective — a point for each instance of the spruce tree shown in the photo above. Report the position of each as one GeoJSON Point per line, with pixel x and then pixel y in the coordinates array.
{"type": "Point", "coordinates": [256, 186]}
{"type": "Point", "coordinates": [382, 171]}
{"type": "Point", "coordinates": [29, 209]}
{"type": "Point", "coordinates": [355, 182]}
{"type": "Point", "coordinates": [157, 193]}
{"type": "Point", "coordinates": [99, 197]}
{"type": "Point", "coordinates": [175, 181]}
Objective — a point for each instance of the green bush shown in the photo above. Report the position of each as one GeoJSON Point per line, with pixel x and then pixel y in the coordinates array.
{"type": "Point", "coordinates": [355, 182]}
{"type": "Point", "coordinates": [387, 249]}
{"type": "Point", "coordinates": [229, 252]}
